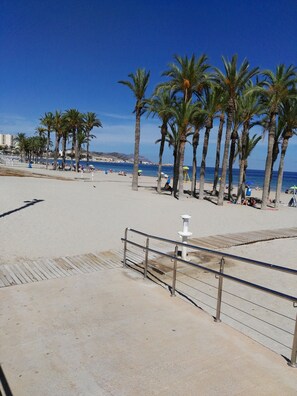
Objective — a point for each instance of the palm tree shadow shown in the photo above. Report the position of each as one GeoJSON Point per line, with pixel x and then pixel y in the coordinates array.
{"type": "Point", "coordinates": [27, 204]}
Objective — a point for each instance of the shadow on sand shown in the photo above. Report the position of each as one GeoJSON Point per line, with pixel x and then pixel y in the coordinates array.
{"type": "Point", "coordinates": [27, 204]}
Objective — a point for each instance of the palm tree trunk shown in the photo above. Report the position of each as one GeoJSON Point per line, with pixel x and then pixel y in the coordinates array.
{"type": "Point", "coordinates": [275, 153]}
{"type": "Point", "coordinates": [88, 146]}
{"type": "Point", "coordinates": [226, 154]}
{"type": "Point", "coordinates": [136, 151]}
{"type": "Point", "coordinates": [47, 147]}
{"type": "Point", "coordinates": [79, 155]}
{"type": "Point", "coordinates": [203, 162]}
{"type": "Point", "coordinates": [281, 171]}
{"type": "Point", "coordinates": [76, 152]}
{"type": "Point", "coordinates": [218, 154]}
{"type": "Point", "coordinates": [195, 143]}
{"type": "Point", "coordinates": [244, 179]}
{"type": "Point", "coordinates": [231, 161]}
{"type": "Point", "coordinates": [57, 144]}
{"type": "Point", "coordinates": [244, 137]}
{"type": "Point", "coordinates": [64, 139]}
{"type": "Point", "coordinates": [181, 157]}
{"type": "Point", "coordinates": [175, 171]}
{"type": "Point", "coordinates": [162, 144]}
{"type": "Point", "coordinates": [73, 147]}
{"type": "Point", "coordinates": [268, 164]}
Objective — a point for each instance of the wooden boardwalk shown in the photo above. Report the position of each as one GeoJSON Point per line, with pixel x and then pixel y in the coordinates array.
{"type": "Point", "coordinates": [243, 238]}
{"type": "Point", "coordinates": [37, 270]}
{"type": "Point", "coordinates": [29, 271]}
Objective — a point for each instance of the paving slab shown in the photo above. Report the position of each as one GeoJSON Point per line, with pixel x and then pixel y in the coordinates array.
{"type": "Point", "coordinates": [113, 333]}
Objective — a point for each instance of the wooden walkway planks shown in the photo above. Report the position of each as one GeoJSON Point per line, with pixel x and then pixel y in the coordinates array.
{"type": "Point", "coordinates": [42, 269]}
{"type": "Point", "coordinates": [243, 238]}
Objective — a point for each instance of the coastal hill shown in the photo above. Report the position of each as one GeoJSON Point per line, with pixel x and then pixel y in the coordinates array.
{"type": "Point", "coordinates": [115, 157]}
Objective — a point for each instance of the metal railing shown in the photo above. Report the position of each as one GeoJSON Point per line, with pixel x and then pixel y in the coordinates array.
{"type": "Point", "coordinates": [219, 274]}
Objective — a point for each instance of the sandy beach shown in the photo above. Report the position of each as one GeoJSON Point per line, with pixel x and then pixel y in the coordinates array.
{"type": "Point", "coordinates": [45, 217]}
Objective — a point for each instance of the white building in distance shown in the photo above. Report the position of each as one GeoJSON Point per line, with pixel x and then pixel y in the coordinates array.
{"type": "Point", "coordinates": [6, 139]}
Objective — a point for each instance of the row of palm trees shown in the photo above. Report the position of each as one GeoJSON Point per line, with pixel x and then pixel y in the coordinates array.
{"type": "Point", "coordinates": [31, 147]}
{"type": "Point", "coordinates": [195, 94]}
{"type": "Point", "coordinates": [72, 125]}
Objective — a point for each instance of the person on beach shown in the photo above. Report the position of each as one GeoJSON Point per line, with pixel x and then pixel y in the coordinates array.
{"type": "Point", "coordinates": [253, 202]}
{"type": "Point", "coordinates": [167, 186]}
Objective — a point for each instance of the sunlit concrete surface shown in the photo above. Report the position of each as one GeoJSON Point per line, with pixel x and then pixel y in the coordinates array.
{"type": "Point", "coordinates": [113, 333]}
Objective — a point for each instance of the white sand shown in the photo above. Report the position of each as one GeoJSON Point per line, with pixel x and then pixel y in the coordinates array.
{"type": "Point", "coordinates": [82, 216]}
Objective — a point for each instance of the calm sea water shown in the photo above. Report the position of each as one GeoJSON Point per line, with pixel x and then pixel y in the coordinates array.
{"type": "Point", "coordinates": [254, 176]}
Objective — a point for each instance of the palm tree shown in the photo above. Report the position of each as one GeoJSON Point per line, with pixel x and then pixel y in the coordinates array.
{"type": "Point", "coordinates": [74, 124]}
{"type": "Point", "coordinates": [160, 105]}
{"type": "Point", "coordinates": [187, 75]}
{"type": "Point", "coordinates": [21, 143]}
{"type": "Point", "coordinates": [47, 121]}
{"type": "Point", "coordinates": [198, 123]}
{"type": "Point", "coordinates": [288, 125]}
{"type": "Point", "coordinates": [218, 152]}
{"type": "Point", "coordinates": [34, 146]}
{"type": "Point", "coordinates": [275, 149]}
{"type": "Point", "coordinates": [58, 126]}
{"type": "Point", "coordinates": [276, 88]}
{"type": "Point", "coordinates": [183, 113]}
{"type": "Point", "coordinates": [245, 152]}
{"type": "Point", "coordinates": [81, 140]}
{"type": "Point", "coordinates": [90, 121]}
{"type": "Point", "coordinates": [40, 131]}
{"type": "Point", "coordinates": [138, 86]}
{"type": "Point", "coordinates": [65, 136]}
{"type": "Point", "coordinates": [211, 105]}
{"type": "Point", "coordinates": [173, 141]}
{"type": "Point", "coordinates": [251, 107]}
{"type": "Point", "coordinates": [232, 155]}
{"type": "Point", "coordinates": [232, 81]}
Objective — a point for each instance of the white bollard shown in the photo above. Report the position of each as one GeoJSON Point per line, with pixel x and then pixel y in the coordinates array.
{"type": "Point", "coordinates": [185, 234]}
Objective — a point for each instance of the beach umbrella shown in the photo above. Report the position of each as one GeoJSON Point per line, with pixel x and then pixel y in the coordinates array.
{"type": "Point", "coordinates": [186, 168]}
{"type": "Point", "coordinates": [293, 188]}
{"type": "Point", "coordinates": [249, 183]}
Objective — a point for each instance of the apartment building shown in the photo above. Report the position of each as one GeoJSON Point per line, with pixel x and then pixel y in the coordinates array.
{"type": "Point", "coordinates": [6, 139]}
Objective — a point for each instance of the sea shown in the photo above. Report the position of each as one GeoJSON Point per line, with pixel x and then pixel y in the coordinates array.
{"type": "Point", "coordinates": [254, 177]}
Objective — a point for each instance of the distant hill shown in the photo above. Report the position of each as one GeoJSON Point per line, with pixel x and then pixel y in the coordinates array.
{"type": "Point", "coordinates": [114, 156]}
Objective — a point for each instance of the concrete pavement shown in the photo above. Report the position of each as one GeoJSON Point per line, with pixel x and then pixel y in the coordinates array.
{"type": "Point", "coordinates": [113, 333]}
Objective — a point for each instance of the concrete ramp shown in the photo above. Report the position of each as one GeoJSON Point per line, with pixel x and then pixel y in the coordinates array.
{"type": "Point", "coordinates": [110, 332]}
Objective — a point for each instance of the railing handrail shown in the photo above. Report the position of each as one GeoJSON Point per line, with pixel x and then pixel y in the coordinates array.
{"type": "Point", "coordinates": [221, 275]}
{"type": "Point", "coordinates": [219, 253]}
{"type": "Point", "coordinates": [230, 277]}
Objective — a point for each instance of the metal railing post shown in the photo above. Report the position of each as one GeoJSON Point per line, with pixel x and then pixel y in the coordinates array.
{"type": "Point", "coordinates": [125, 247]}
{"type": "Point", "coordinates": [293, 362]}
{"type": "Point", "coordinates": [174, 271]}
{"type": "Point", "coordinates": [146, 257]}
{"type": "Point", "coordinates": [220, 290]}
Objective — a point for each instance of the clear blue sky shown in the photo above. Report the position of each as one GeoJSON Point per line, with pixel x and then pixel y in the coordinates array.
{"type": "Point", "coordinates": [56, 55]}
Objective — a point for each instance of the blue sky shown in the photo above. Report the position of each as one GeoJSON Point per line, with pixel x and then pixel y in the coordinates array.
{"type": "Point", "coordinates": [57, 55]}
